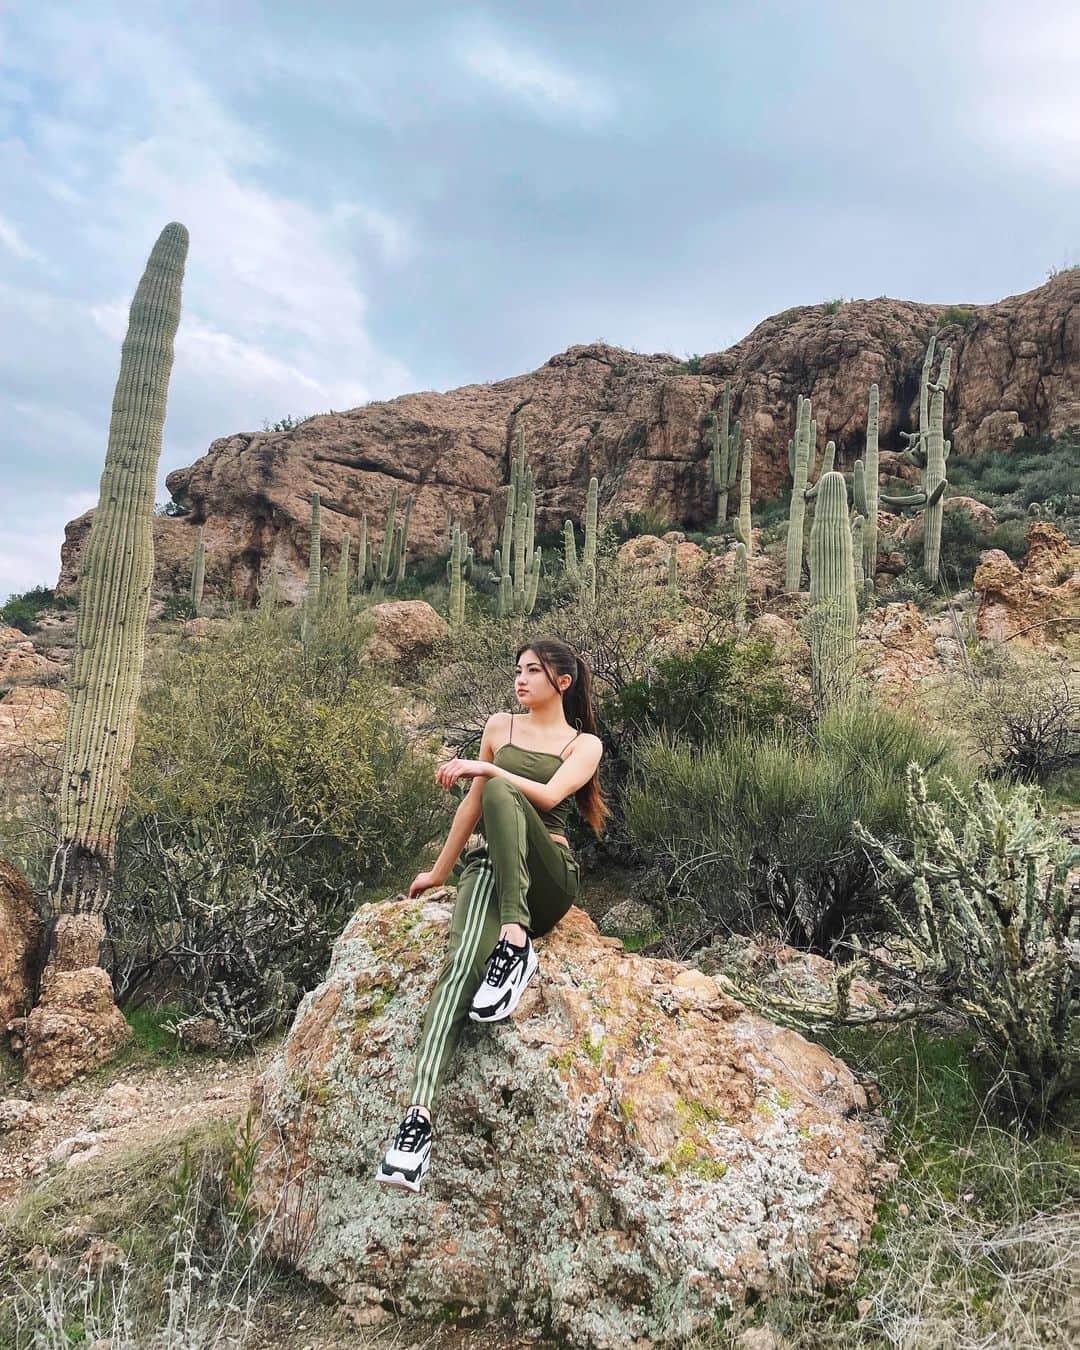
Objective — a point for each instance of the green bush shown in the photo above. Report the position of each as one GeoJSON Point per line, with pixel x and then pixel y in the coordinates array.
{"type": "Point", "coordinates": [271, 794]}
{"type": "Point", "coordinates": [756, 830]}
{"type": "Point", "coordinates": [703, 694]}
{"type": "Point", "coordinates": [956, 314]}
{"type": "Point", "coordinates": [22, 611]}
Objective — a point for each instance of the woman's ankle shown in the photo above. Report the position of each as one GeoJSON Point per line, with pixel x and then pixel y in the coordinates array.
{"type": "Point", "coordinates": [422, 1109]}
{"type": "Point", "coordinates": [515, 933]}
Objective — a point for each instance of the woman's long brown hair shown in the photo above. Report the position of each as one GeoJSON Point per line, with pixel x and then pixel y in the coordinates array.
{"type": "Point", "coordinates": [579, 710]}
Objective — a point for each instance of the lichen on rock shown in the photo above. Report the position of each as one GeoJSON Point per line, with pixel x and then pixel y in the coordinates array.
{"type": "Point", "coordinates": [628, 1155]}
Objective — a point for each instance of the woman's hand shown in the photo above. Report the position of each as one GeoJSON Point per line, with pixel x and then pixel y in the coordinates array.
{"type": "Point", "coordinates": [423, 881]}
{"type": "Point", "coordinates": [446, 775]}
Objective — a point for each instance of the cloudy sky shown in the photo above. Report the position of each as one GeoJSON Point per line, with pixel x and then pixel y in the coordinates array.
{"type": "Point", "coordinates": [388, 198]}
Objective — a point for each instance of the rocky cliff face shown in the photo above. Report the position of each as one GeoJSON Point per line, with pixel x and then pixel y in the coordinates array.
{"type": "Point", "coordinates": [633, 420]}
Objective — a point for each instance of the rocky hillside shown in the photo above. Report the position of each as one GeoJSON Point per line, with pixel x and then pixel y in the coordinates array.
{"type": "Point", "coordinates": [632, 420]}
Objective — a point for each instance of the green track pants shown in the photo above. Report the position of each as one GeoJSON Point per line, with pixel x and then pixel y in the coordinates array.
{"type": "Point", "coordinates": [521, 875]}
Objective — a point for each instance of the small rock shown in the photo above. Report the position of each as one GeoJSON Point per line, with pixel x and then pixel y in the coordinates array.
{"type": "Point", "coordinates": [20, 1115]}
{"type": "Point", "coordinates": [72, 1144]}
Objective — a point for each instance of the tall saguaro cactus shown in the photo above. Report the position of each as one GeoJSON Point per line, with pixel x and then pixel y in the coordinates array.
{"type": "Point", "coordinates": [743, 524]}
{"type": "Point", "coordinates": [198, 572]}
{"type": "Point", "coordinates": [114, 598]}
{"type": "Point", "coordinates": [802, 466]}
{"type": "Point", "coordinates": [834, 609]}
{"type": "Point", "coordinates": [866, 490]}
{"type": "Point", "coordinates": [519, 558]}
{"type": "Point", "coordinates": [929, 449]}
{"type": "Point", "coordinates": [313, 592]}
{"type": "Point", "coordinates": [723, 453]}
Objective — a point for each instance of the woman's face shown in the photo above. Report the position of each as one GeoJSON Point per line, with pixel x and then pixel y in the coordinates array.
{"type": "Point", "coordinates": [531, 683]}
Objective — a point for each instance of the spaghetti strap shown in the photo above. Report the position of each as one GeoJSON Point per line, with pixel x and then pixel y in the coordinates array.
{"type": "Point", "coordinates": [511, 740]}
{"type": "Point", "coordinates": [571, 741]}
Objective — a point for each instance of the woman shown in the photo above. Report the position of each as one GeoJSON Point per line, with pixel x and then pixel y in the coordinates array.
{"type": "Point", "coordinates": [519, 883]}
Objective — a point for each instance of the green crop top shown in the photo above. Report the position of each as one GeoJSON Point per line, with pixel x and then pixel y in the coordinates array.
{"type": "Point", "coordinates": [541, 766]}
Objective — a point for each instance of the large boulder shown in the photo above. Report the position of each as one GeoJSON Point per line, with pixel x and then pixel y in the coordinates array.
{"type": "Point", "coordinates": [1040, 598]}
{"type": "Point", "coordinates": [631, 1153]}
{"type": "Point", "coordinates": [76, 1024]}
{"type": "Point", "coordinates": [405, 631]}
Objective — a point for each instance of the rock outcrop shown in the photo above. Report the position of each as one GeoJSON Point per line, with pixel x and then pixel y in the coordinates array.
{"type": "Point", "coordinates": [1040, 598]}
{"type": "Point", "coordinates": [629, 1154]}
{"type": "Point", "coordinates": [632, 420]}
{"type": "Point", "coordinates": [20, 932]}
{"type": "Point", "coordinates": [76, 1023]}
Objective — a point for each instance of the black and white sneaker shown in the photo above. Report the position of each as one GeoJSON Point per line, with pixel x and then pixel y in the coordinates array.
{"type": "Point", "coordinates": [509, 970]}
{"type": "Point", "coordinates": [407, 1161]}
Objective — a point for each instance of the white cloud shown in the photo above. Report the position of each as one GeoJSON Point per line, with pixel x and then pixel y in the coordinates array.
{"type": "Point", "coordinates": [534, 81]}
{"type": "Point", "coordinates": [14, 243]}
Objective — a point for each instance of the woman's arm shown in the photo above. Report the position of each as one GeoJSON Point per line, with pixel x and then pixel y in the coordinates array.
{"type": "Point", "coordinates": [469, 811]}
{"type": "Point", "coordinates": [576, 770]}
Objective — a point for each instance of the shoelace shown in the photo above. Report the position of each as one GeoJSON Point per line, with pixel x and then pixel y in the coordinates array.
{"type": "Point", "coordinates": [411, 1132]}
{"type": "Point", "coordinates": [502, 960]}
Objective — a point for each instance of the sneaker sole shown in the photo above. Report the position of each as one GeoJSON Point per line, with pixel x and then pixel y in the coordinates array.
{"type": "Point", "coordinates": [399, 1179]}
{"type": "Point", "coordinates": [515, 998]}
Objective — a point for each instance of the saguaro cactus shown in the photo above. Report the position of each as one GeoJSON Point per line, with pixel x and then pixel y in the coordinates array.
{"type": "Point", "coordinates": [114, 598]}
{"type": "Point", "coordinates": [866, 491]}
{"type": "Point", "coordinates": [802, 465]}
{"type": "Point", "coordinates": [834, 607]}
{"type": "Point", "coordinates": [313, 593]}
{"type": "Point", "coordinates": [741, 586]}
{"type": "Point", "coordinates": [456, 573]}
{"type": "Point", "coordinates": [198, 571]}
{"type": "Point", "coordinates": [929, 450]}
{"type": "Point", "coordinates": [743, 524]}
{"type": "Point", "coordinates": [723, 453]}
{"type": "Point", "coordinates": [519, 559]}
{"type": "Point", "coordinates": [673, 570]}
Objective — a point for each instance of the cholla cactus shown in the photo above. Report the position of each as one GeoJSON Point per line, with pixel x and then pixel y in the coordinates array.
{"type": "Point", "coordinates": [723, 453]}
{"type": "Point", "coordinates": [834, 609]}
{"type": "Point", "coordinates": [997, 927]}
{"type": "Point", "coordinates": [929, 449]}
{"type": "Point", "coordinates": [198, 571]}
{"type": "Point", "coordinates": [114, 599]}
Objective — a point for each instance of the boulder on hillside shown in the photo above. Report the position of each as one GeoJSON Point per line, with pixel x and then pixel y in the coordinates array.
{"type": "Point", "coordinates": [76, 1023]}
{"type": "Point", "coordinates": [631, 1153]}
{"type": "Point", "coordinates": [1040, 598]}
{"type": "Point", "coordinates": [405, 631]}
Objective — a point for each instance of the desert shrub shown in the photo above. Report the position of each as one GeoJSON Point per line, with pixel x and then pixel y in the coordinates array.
{"type": "Point", "coordinates": [1021, 712]}
{"type": "Point", "coordinates": [995, 927]}
{"type": "Point", "coordinates": [22, 611]}
{"type": "Point", "coordinates": [962, 540]}
{"type": "Point", "coordinates": [702, 694]}
{"type": "Point", "coordinates": [270, 795]}
{"type": "Point", "coordinates": [958, 314]}
{"type": "Point", "coordinates": [755, 831]}
{"type": "Point", "coordinates": [649, 520]}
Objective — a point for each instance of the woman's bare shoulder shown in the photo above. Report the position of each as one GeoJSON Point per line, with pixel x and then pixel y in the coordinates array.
{"type": "Point", "coordinates": [586, 738]}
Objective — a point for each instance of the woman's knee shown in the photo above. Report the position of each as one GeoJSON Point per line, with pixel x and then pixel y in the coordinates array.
{"type": "Point", "coordinates": [497, 791]}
